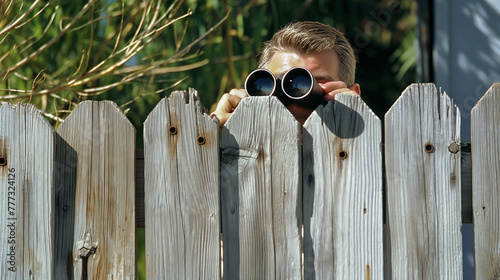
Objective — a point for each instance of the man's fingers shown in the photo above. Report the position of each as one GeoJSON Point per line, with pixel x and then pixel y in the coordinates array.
{"type": "Point", "coordinates": [331, 95]}
{"type": "Point", "coordinates": [238, 92]}
{"type": "Point", "coordinates": [332, 85]}
{"type": "Point", "coordinates": [225, 107]}
{"type": "Point", "coordinates": [228, 103]}
{"type": "Point", "coordinates": [335, 87]}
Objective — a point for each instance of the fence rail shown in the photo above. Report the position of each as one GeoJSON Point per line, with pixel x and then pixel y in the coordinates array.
{"type": "Point", "coordinates": [286, 201]}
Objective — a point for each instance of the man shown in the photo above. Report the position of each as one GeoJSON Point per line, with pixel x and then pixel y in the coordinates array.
{"type": "Point", "coordinates": [320, 48]}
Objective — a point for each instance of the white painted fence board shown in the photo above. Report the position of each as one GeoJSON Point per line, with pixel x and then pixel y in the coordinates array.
{"type": "Point", "coordinates": [27, 215]}
{"type": "Point", "coordinates": [343, 197]}
{"type": "Point", "coordinates": [182, 217]}
{"type": "Point", "coordinates": [423, 188]}
{"type": "Point", "coordinates": [261, 192]}
{"type": "Point", "coordinates": [485, 140]}
{"type": "Point", "coordinates": [104, 234]}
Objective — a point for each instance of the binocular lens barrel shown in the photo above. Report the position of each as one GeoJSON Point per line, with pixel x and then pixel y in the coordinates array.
{"type": "Point", "coordinates": [296, 85]}
{"type": "Point", "coordinates": [297, 82]}
{"type": "Point", "coordinates": [260, 82]}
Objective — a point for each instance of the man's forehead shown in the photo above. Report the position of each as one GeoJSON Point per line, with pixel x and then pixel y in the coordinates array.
{"type": "Point", "coordinates": [283, 61]}
{"type": "Point", "coordinates": [323, 65]}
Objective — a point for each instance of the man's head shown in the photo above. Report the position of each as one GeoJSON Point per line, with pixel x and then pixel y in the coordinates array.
{"type": "Point", "coordinates": [319, 48]}
{"type": "Point", "coordinates": [307, 37]}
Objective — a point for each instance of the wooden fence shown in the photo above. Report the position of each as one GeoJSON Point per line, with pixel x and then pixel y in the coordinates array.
{"type": "Point", "coordinates": [286, 202]}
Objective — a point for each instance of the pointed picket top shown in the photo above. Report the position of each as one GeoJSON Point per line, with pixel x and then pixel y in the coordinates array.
{"type": "Point", "coordinates": [422, 148]}
{"type": "Point", "coordinates": [89, 106]}
{"type": "Point", "coordinates": [342, 181]}
{"type": "Point", "coordinates": [181, 170]}
{"type": "Point", "coordinates": [27, 179]}
{"type": "Point", "coordinates": [31, 110]}
{"type": "Point", "coordinates": [256, 114]}
{"type": "Point", "coordinates": [188, 98]}
{"type": "Point", "coordinates": [485, 141]}
{"type": "Point", "coordinates": [425, 100]}
{"type": "Point", "coordinates": [103, 140]}
{"type": "Point", "coordinates": [350, 103]}
{"type": "Point", "coordinates": [490, 95]}
{"type": "Point", "coordinates": [260, 191]}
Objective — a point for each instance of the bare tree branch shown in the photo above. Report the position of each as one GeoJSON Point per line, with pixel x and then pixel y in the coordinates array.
{"type": "Point", "coordinates": [15, 24]}
{"type": "Point", "coordinates": [48, 44]}
{"type": "Point", "coordinates": [100, 60]}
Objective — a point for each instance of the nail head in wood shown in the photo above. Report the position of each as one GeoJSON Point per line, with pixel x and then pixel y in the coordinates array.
{"type": "Point", "coordinates": [342, 154]}
{"type": "Point", "coordinates": [429, 148]}
{"type": "Point", "coordinates": [172, 130]}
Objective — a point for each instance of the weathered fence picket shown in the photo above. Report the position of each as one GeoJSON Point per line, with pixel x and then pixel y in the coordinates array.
{"type": "Point", "coordinates": [260, 191]}
{"type": "Point", "coordinates": [103, 140]}
{"type": "Point", "coordinates": [485, 140]}
{"type": "Point", "coordinates": [284, 201]}
{"type": "Point", "coordinates": [342, 188]}
{"type": "Point", "coordinates": [27, 193]}
{"type": "Point", "coordinates": [181, 151]}
{"type": "Point", "coordinates": [422, 149]}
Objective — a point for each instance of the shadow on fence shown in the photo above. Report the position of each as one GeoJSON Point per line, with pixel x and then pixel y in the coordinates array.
{"type": "Point", "coordinates": [66, 162]}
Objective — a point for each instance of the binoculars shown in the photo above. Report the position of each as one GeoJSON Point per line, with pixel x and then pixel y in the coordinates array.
{"type": "Point", "coordinates": [297, 85]}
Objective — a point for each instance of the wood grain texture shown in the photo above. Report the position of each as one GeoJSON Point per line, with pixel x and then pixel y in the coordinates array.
{"type": "Point", "coordinates": [181, 153]}
{"type": "Point", "coordinates": [27, 182]}
{"type": "Point", "coordinates": [423, 187]}
{"type": "Point", "coordinates": [261, 192]}
{"type": "Point", "coordinates": [342, 188]}
{"type": "Point", "coordinates": [104, 234]}
{"type": "Point", "coordinates": [485, 140]}
{"type": "Point", "coordinates": [466, 171]}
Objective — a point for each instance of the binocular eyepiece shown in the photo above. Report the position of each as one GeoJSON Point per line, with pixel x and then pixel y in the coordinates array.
{"type": "Point", "coordinates": [296, 85]}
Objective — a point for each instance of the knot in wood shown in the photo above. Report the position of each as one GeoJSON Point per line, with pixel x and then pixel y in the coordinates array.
{"type": "Point", "coordinates": [3, 161]}
{"type": "Point", "coordinates": [85, 248]}
{"type": "Point", "coordinates": [454, 148]}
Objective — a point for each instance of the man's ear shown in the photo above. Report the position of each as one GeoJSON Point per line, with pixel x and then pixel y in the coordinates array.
{"type": "Point", "coordinates": [355, 87]}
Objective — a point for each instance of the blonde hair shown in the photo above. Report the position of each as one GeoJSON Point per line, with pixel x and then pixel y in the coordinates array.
{"type": "Point", "coordinates": [310, 37]}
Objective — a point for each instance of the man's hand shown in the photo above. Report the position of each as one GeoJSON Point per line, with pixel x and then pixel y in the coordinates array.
{"type": "Point", "coordinates": [229, 101]}
{"type": "Point", "coordinates": [227, 104]}
{"type": "Point", "coordinates": [331, 88]}
{"type": "Point", "coordinates": [334, 87]}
